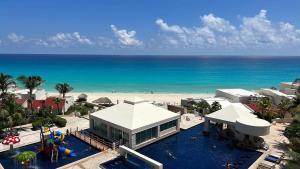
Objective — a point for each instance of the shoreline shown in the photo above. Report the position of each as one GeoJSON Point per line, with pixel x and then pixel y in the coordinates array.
{"type": "Point", "coordinates": [171, 98]}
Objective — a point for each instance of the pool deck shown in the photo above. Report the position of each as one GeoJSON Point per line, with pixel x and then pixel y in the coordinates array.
{"type": "Point", "coordinates": [190, 120]}
{"type": "Point", "coordinates": [276, 141]}
{"type": "Point", "coordinates": [27, 136]}
{"type": "Point", "coordinates": [94, 161]}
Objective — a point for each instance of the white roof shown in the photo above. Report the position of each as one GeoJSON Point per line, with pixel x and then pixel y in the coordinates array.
{"type": "Point", "coordinates": [239, 92]}
{"type": "Point", "coordinates": [222, 101]}
{"type": "Point", "coordinates": [232, 112]}
{"type": "Point", "coordinates": [242, 118]}
{"type": "Point", "coordinates": [134, 113]}
{"type": "Point", "coordinates": [278, 93]}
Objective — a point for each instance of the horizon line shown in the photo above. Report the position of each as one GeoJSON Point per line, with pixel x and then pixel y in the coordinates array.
{"type": "Point", "coordinates": [155, 55]}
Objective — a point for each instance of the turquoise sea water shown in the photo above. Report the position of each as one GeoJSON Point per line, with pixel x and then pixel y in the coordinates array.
{"type": "Point", "coordinates": [184, 74]}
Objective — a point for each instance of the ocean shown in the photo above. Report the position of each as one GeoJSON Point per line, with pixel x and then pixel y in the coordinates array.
{"type": "Point", "coordinates": [163, 74]}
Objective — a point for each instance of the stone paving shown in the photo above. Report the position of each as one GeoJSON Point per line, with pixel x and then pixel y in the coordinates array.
{"type": "Point", "coordinates": [190, 120]}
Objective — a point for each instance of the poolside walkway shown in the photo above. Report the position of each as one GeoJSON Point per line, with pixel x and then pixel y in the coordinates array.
{"type": "Point", "coordinates": [276, 141]}
{"type": "Point", "coordinates": [27, 136]}
{"type": "Point", "coordinates": [92, 162]}
{"type": "Point", "coordinates": [190, 120]}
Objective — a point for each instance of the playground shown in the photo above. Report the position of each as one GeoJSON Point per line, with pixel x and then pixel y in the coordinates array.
{"type": "Point", "coordinates": [54, 150]}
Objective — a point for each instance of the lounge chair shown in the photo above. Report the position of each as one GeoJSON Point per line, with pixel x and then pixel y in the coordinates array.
{"type": "Point", "coordinates": [273, 159]}
{"type": "Point", "coordinates": [266, 165]}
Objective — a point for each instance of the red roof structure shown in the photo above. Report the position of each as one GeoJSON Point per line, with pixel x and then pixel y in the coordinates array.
{"type": "Point", "coordinates": [49, 102]}
{"type": "Point", "coordinates": [20, 101]}
{"type": "Point", "coordinates": [254, 107]}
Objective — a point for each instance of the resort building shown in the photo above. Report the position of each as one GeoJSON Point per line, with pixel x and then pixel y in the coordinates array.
{"type": "Point", "coordinates": [222, 101]}
{"type": "Point", "coordinates": [37, 94]}
{"type": "Point", "coordinates": [134, 123]}
{"type": "Point", "coordinates": [59, 108]}
{"type": "Point", "coordinates": [238, 95]}
{"type": "Point", "coordinates": [240, 120]}
{"type": "Point", "coordinates": [290, 88]}
{"type": "Point", "coordinates": [276, 96]}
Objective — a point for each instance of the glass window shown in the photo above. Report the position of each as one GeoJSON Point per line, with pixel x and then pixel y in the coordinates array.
{"type": "Point", "coordinates": [115, 134]}
{"type": "Point", "coordinates": [146, 135]}
{"type": "Point", "coordinates": [100, 127]}
{"type": "Point", "coordinates": [168, 125]}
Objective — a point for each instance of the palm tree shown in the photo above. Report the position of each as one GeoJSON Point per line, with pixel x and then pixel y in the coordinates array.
{"type": "Point", "coordinates": [63, 88]}
{"type": "Point", "coordinates": [215, 106]}
{"type": "Point", "coordinates": [31, 82]}
{"type": "Point", "coordinates": [284, 107]}
{"type": "Point", "coordinates": [202, 107]}
{"type": "Point", "coordinates": [5, 82]}
{"type": "Point", "coordinates": [57, 100]}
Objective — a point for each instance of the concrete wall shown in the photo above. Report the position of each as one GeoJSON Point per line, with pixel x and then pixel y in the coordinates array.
{"type": "Point", "coordinates": [177, 109]}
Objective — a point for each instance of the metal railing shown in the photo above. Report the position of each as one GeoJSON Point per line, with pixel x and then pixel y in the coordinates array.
{"type": "Point", "coordinates": [94, 140]}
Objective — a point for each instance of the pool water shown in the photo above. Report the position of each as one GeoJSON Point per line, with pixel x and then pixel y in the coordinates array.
{"type": "Point", "coordinates": [7, 159]}
{"type": "Point", "coordinates": [189, 149]}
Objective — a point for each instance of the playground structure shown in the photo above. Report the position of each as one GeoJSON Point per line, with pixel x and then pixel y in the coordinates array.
{"type": "Point", "coordinates": [52, 144]}
{"type": "Point", "coordinates": [11, 137]}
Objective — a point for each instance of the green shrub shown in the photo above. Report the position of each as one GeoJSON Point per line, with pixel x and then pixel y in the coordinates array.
{"type": "Point", "coordinates": [293, 130]}
{"type": "Point", "coordinates": [60, 122]}
{"type": "Point", "coordinates": [37, 124]}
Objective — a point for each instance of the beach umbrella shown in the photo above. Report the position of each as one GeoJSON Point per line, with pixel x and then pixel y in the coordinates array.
{"type": "Point", "coordinates": [102, 101]}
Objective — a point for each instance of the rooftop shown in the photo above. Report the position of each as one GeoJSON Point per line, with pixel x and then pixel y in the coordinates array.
{"type": "Point", "coordinates": [134, 113]}
{"type": "Point", "coordinates": [222, 101]}
{"type": "Point", "coordinates": [277, 92]}
{"type": "Point", "coordinates": [239, 92]}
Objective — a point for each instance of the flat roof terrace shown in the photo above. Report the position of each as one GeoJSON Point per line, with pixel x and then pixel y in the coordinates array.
{"type": "Point", "coordinates": [240, 92]}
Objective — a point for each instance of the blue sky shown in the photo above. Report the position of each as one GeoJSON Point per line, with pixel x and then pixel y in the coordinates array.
{"type": "Point", "coordinates": [168, 27]}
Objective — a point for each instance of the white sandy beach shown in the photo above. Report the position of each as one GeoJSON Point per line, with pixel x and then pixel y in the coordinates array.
{"type": "Point", "coordinates": [171, 98]}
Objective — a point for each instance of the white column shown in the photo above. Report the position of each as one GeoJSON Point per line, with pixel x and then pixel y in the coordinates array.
{"type": "Point", "coordinates": [206, 125]}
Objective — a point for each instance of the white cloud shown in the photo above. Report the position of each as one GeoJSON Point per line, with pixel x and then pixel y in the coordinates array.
{"type": "Point", "coordinates": [15, 38]}
{"type": "Point", "coordinates": [126, 38]}
{"type": "Point", "coordinates": [197, 36]}
{"type": "Point", "coordinates": [215, 32]}
{"type": "Point", "coordinates": [164, 26]}
{"type": "Point", "coordinates": [64, 40]}
{"type": "Point", "coordinates": [216, 23]}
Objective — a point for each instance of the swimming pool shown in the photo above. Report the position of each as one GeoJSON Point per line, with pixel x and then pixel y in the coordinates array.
{"type": "Point", "coordinates": [7, 159]}
{"type": "Point", "coordinates": [189, 149]}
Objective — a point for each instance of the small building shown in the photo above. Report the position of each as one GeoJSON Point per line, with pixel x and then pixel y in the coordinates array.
{"type": "Point", "coordinates": [238, 95]}
{"type": "Point", "coordinates": [60, 107]}
{"type": "Point", "coordinates": [290, 88]}
{"type": "Point", "coordinates": [37, 94]}
{"type": "Point", "coordinates": [134, 123]}
{"type": "Point", "coordinates": [240, 120]}
{"type": "Point", "coordinates": [275, 96]}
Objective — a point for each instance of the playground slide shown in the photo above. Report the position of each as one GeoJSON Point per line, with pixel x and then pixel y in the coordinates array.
{"type": "Point", "coordinates": [67, 152]}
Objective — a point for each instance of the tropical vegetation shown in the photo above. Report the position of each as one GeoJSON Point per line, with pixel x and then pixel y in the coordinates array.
{"type": "Point", "coordinates": [14, 114]}
{"type": "Point", "coordinates": [63, 88]}
{"type": "Point", "coordinates": [292, 132]}
{"type": "Point", "coordinates": [203, 107]}
{"type": "Point", "coordinates": [5, 82]}
{"type": "Point", "coordinates": [30, 83]}
{"type": "Point", "coordinates": [25, 158]}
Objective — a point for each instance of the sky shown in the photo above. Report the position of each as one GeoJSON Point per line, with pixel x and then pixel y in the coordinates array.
{"type": "Point", "coordinates": [151, 27]}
